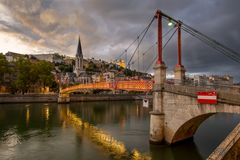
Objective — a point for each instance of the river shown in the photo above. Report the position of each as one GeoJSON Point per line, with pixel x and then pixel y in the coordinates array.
{"type": "Point", "coordinates": [97, 130]}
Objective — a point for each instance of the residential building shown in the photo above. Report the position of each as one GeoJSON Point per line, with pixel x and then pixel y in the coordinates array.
{"type": "Point", "coordinates": [53, 58]}
{"type": "Point", "coordinates": [83, 78]}
{"type": "Point", "coordinates": [96, 78]}
{"type": "Point", "coordinates": [108, 76]}
{"type": "Point", "coordinates": [13, 57]}
{"type": "Point", "coordinates": [200, 80]}
{"type": "Point", "coordinates": [220, 80]}
{"type": "Point", "coordinates": [213, 80]}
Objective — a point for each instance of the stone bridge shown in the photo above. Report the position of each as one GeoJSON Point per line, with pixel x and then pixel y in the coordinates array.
{"type": "Point", "coordinates": [176, 112]}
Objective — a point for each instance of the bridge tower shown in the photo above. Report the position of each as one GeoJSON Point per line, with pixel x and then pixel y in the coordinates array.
{"type": "Point", "coordinates": [157, 116]}
{"type": "Point", "coordinates": [179, 69]}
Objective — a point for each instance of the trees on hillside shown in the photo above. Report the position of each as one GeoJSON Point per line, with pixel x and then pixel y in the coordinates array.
{"type": "Point", "coordinates": [3, 68]}
{"type": "Point", "coordinates": [31, 74]}
{"type": "Point", "coordinates": [23, 75]}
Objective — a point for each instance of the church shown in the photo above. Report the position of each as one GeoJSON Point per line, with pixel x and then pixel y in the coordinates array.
{"type": "Point", "coordinates": [80, 74]}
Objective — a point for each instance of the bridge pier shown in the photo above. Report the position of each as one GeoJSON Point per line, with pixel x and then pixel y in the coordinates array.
{"type": "Point", "coordinates": [156, 127]}
{"type": "Point", "coordinates": [157, 116]}
{"type": "Point", "coordinates": [64, 98]}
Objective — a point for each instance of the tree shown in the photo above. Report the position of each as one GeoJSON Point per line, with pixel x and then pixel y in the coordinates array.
{"type": "Point", "coordinates": [3, 68]}
{"type": "Point", "coordinates": [128, 72]}
{"type": "Point", "coordinates": [24, 77]}
{"type": "Point", "coordinates": [44, 70]}
{"type": "Point", "coordinates": [65, 68]}
{"type": "Point", "coordinates": [92, 67]}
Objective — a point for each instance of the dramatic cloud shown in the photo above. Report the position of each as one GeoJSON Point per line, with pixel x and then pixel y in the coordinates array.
{"type": "Point", "coordinates": [107, 27]}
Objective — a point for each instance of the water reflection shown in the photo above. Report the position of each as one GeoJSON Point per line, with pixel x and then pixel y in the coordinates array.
{"type": "Point", "coordinates": [96, 129]}
{"type": "Point", "coordinates": [11, 138]}
{"type": "Point", "coordinates": [27, 116]}
{"type": "Point", "coordinates": [179, 151]}
{"type": "Point", "coordinates": [24, 118]}
{"type": "Point", "coordinates": [130, 120]}
{"type": "Point", "coordinates": [109, 112]}
{"type": "Point", "coordinates": [46, 113]}
{"type": "Point", "coordinates": [97, 135]}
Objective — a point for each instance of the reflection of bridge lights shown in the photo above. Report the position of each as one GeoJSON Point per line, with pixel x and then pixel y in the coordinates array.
{"type": "Point", "coordinates": [137, 111]}
{"type": "Point", "coordinates": [115, 147]}
{"type": "Point", "coordinates": [27, 116]}
{"type": "Point", "coordinates": [135, 155]}
{"type": "Point", "coordinates": [46, 112]}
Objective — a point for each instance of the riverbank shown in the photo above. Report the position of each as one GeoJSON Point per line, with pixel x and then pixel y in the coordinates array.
{"type": "Point", "coordinates": [52, 98]}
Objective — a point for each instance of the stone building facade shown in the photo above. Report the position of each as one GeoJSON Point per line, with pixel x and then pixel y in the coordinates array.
{"type": "Point", "coordinates": [81, 76]}
{"type": "Point", "coordinates": [78, 68]}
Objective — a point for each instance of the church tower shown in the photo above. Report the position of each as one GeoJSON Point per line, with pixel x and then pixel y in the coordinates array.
{"type": "Point", "coordinates": [79, 60]}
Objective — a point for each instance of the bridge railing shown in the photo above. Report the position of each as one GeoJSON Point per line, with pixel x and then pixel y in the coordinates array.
{"type": "Point", "coordinates": [138, 85]}
{"type": "Point", "coordinates": [224, 95]}
{"type": "Point", "coordinates": [220, 87]}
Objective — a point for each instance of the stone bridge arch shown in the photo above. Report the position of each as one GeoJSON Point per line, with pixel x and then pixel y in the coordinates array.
{"type": "Point", "coordinates": [183, 115]}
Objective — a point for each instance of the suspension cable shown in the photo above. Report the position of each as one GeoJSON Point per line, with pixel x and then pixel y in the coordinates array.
{"type": "Point", "coordinates": [211, 44]}
{"type": "Point", "coordinates": [143, 31]}
{"type": "Point", "coordinates": [164, 35]}
{"type": "Point", "coordinates": [162, 49]}
{"type": "Point", "coordinates": [144, 34]}
{"type": "Point", "coordinates": [212, 40]}
{"type": "Point", "coordinates": [207, 40]}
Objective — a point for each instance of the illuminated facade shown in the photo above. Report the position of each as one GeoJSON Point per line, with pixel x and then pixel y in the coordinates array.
{"type": "Point", "coordinates": [121, 63]}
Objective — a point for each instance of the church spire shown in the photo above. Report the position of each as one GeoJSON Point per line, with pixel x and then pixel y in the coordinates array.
{"type": "Point", "coordinates": [79, 49]}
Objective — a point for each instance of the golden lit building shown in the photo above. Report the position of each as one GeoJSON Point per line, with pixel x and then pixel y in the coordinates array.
{"type": "Point", "coordinates": [121, 63]}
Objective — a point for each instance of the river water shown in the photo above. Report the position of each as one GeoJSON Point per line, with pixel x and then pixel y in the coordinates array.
{"type": "Point", "coordinates": [97, 130]}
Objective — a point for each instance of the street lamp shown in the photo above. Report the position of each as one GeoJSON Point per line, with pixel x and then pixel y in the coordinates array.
{"type": "Point", "coordinates": [170, 23]}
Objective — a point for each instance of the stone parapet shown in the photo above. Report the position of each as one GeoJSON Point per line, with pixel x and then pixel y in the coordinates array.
{"type": "Point", "coordinates": [223, 96]}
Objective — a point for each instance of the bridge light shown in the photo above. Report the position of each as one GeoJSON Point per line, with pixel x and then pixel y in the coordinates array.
{"type": "Point", "coordinates": [170, 23]}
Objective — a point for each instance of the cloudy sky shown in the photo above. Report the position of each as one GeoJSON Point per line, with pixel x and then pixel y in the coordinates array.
{"type": "Point", "coordinates": [107, 27]}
